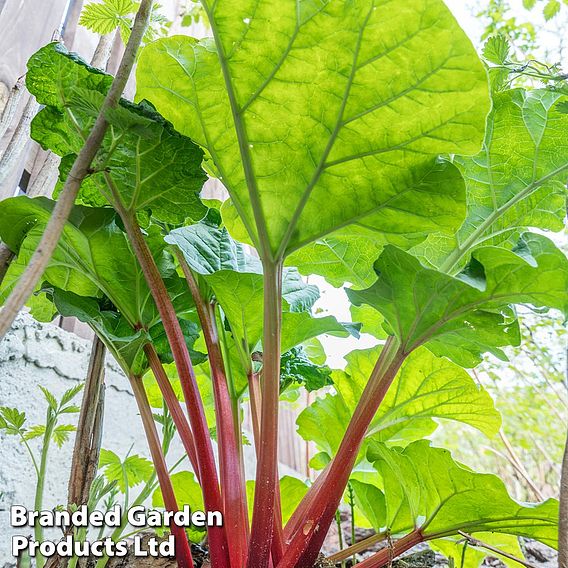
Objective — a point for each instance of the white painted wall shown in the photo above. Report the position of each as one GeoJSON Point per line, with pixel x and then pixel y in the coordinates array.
{"type": "Point", "coordinates": [34, 354]}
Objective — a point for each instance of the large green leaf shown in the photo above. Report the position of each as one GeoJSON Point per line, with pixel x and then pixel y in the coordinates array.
{"type": "Point", "coordinates": [518, 180]}
{"type": "Point", "coordinates": [211, 252]}
{"type": "Point", "coordinates": [208, 248]}
{"type": "Point", "coordinates": [465, 316]}
{"type": "Point", "coordinates": [425, 488]}
{"type": "Point", "coordinates": [369, 504]}
{"type": "Point", "coordinates": [426, 388]}
{"type": "Point", "coordinates": [154, 168]}
{"type": "Point", "coordinates": [347, 255]}
{"type": "Point", "coordinates": [94, 276]}
{"type": "Point", "coordinates": [124, 342]}
{"type": "Point", "coordinates": [93, 257]}
{"type": "Point", "coordinates": [316, 114]}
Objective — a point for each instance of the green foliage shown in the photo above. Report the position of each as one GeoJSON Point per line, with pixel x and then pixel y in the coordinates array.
{"type": "Point", "coordinates": [13, 423]}
{"type": "Point", "coordinates": [517, 181]}
{"type": "Point", "coordinates": [532, 397]}
{"type": "Point", "coordinates": [234, 280]}
{"type": "Point", "coordinates": [458, 549]}
{"type": "Point", "coordinates": [353, 141]}
{"type": "Point", "coordinates": [130, 472]}
{"type": "Point", "coordinates": [505, 71]}
{"type": "Point", "coordinates": [94, 276]}
{"type": "Point", "coordinates": [330, 148]}
{"type": "Point", "coordinates": [424, 487]}
{"type": "Point", "coordinates": [297, 369]}
{"type": "Point", "coordinates": [496, 50]}
{"type": "Point", "coordinates": [462, 317]}
{"type": "Point", "coordinates": [347, 255]}
{"type": "Point", "coordinates": [426, 389]}
{"type": "Point", "coordinates": [105, 17]}
{"type": "Point", "coordinates": [499, 20]}
{"type": "Point", "coordinates": [142, 160]}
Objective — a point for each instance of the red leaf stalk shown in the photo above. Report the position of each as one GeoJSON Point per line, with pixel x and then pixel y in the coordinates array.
{"type": "Point", "coordinates": [173, 405]}
{"type": "Point", "coordinates": [183, 550]}
{"type": "Point", "coordinates": [262, 529]}
{"type": "Point", "coordinates": [233, 488]}
{"type": "Point", "coordinates": [385, 556]}
{"type": "Point", "coordinates": [207, 468]}
{"type": "Point", "coordinates": [306, 542]}
{"type": "Point", "coordinates": [277, 549]}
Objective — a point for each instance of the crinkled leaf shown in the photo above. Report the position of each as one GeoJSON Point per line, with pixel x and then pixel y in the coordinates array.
{"type": "Point", "coordinates": [94, 258]}
{"type": "Point", "coordinates": [424, 487]}
{"type": "Point", "coordinates": [496, 49]}
{"type": "Point", "coordinates": [344, 256]}
{"type": "Point", "coordinates": [191, 334]}
{"type": "Point", "coordinates": [103, 18]}
{"type": "Point", "coordinates": [123, 341]}
{"type": "Point", "coordinates": [297, 369]}
{"type": "Point", "coordinates": [426, 388]}
{"type": "Point", "coordinates": [239, 290]}
{"type": "Point", "coordinates": [153, 167]}
{"type": "Point", "coordinates": [465, 316]}
{"type": "Point", "coordinates": [518, 180]}
{"type": "Point", "coordinates": [208, 248]}
{"type": "Point", "coordinates": [391, 85]}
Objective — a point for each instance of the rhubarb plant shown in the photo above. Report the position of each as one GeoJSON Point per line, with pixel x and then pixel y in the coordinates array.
{"type": "Point", "coordinates": [360, 141]}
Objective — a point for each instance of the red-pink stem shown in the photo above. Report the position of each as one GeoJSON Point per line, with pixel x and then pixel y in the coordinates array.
{"type": "Point", "coordinates": [183, 550]}
{"type": "Point", "coordinates": [233, 489]}
{"type": "Point", "coordinates": [173, 405]}
{"type": "Point", "coordinates": [306, 542]}
{"type": "Point", "coordinates": [218, 549]}
{"type": "Point", "coordinates": [262, 528]}
{"type": "Point", "coordinates": [277, 549]}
